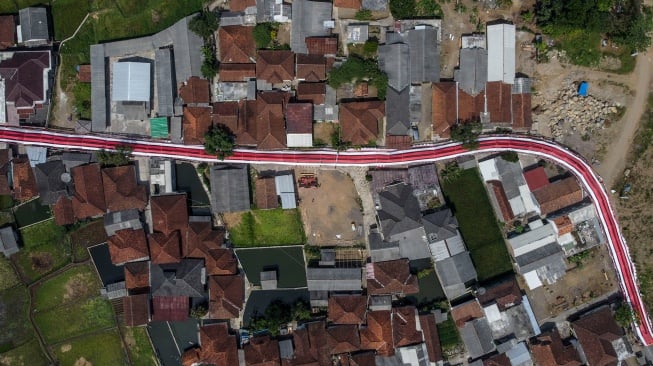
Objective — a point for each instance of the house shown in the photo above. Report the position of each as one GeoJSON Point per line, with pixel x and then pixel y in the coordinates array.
{"type": "Point", "coordinates": [236, 73]}
{"type": "Point", "coordinates": [558, 195]}
{"type": "Point", "coordinates": [266, 194]}
{"type": "Point", "coordinates": [390, 278]}
{"type": "Point", "coordinates": [220, 262]}
{"type": "Point", "coordinates": [474, 329]}
{"type": "Point", "coordinates": [26, 83]}
{"type": "Point", "coordinates": [285, 188]}
{"type": "Point", "coordinates": [24, 181]}
{"type": "Point", "coordinates": [240, 118]}
{"type": "Point", "coordinates": [170, 308]}
{"type": "Point", "coordinates": [7, 31]}
{"type": "Point", "coordinates": [456, 274]}
{"type": "Point", "coordinates": [128, 245]}
{"type": "Point", "coordinates": [394, 59]}
{"type": "Point", "coordinates": [311, 68]}
{"type": "Point", "coordinates": [53, 181]}
{"type": "Point", "coordinates": [549, 349]}
{"type": "Point", "coordinates": [501, 52]}
{"type": "Point", "coordinates": [431, 338]}
{"type": "Point", "coordinates": [201, 238]}
{"type": "Point", "coordinates": [88, 196]}
{"type": "Point", "coordinates": [310, 344]}
{"type": "Point", "coordinates": [408, 355]}
{"type": "Point", "coordinates": [377, 333]}
{"type": "Point", "coordinates": [63, 211]}
{"type": "Point", "coordinates": [169, 214]}
{"type": "Point", "coordinates": [275, 66]}
{"type": "Point", "coordinates": [162, 176]}
{"type": "Point", "coordinates": [120, 220]}
{"type": "Point", "coordinates": [299, 124]}
{"type": "Point", "coordinates": [195, 124]}
{"type": "Point", "coordinates": [311, 92]}
{"type": "Point", "coordinates": [226, 296]}
{"type": "Point", "coordinates": [424, 54]}
{"type": "Point", "coordinates": [262, 351]}
{"type": "Point", "coordinates": [601, 339]}
{"type": "Point", "coordinates": [164, 248]}
{"type": "Point", "coordinates": [512, 196]}
{"type": "Point", "coordinates": [405, 331]}
{"type": "Point", "coordinates": [347, 309]}
{"type": "Point", "coordinates": [273, 11]}
{"type": "Point", "coordinates": [137, 276]}
{"type": "Point", "coordinates": [343, 339]}
{"type": "Point", "coordinates": [195, 91]}
{"type": "Point", "coordinates": [131, 82]}
{"type": "Point", "coordinates": [471, 75]}
{"type": "Point", "coordinates": [121, 189]}
{"type": "Point", "coordinates": [359, 121]}
{"type": "Point", "coordinates": [33, 29]}
{"type": "Point", "coordinates": [452, 105]}
{"type": "Point", "coordinates": [185, 278]}
{"type": "Point", "coordinates": [236, 45]}
{"type": "Point", "coordinates": [8, 241]}
{"type": "Point", "coordinates": [217, 346]}
{"type": "Point", "coordinates": [536, 178]}
{"type": "Point", "coordinates": [136, 310]}
{"type": "Point", "coordinates": [324, 280]}
{"type": "Point", "coordinates": [327, 46]}
{"type": "Point", "coordinates": [311, 19]}
{"type": "Point", "coordinates": [441, 229]}
{"type": "Point", "coordinates": [229, 188]}
{"type": "Point", "coordinates": [270, 121]}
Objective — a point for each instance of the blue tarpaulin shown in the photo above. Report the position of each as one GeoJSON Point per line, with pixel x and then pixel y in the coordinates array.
{"type": "Point", "coordinates": [583, 88]}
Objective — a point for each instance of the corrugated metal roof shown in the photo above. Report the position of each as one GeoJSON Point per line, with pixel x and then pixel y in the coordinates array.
{"type": "Point", "coordinates": [165, 92]}
{"type": "Point", "coordinates": [159, 127]}
{"type": "Point", "coordinates": [501, 53]}
{"type": "Point", "coordinates": [286, 190]}
{"type": "Point", "coordinates": [33, 24]}
{"type": "Point", "coordinates": [131, 82]}
{"type": "Point", "coordinates": [98, 89]}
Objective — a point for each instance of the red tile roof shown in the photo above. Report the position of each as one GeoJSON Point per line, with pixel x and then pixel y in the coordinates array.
{"type": "Point", "coordinates": [239, 117]}
{"type": "Point", "coordinates": [195, 90]}
{"type": "Point", "coordinates": [451, 105]}
{"type": "Point", "coordinates": [465, 312]}
{"type": "Point", "coordinates": [201, 238]}
{"type": "Point", "coordinates": [83, 74]}
{"type": "Point", "coordinates": [275, 66]}
{"type": "Point", "coordinates": [431, 337]}
{"type": "Point", "coordinates": [170, 308]}
{"type": "Point", "coordinates": [63, 211]}
{"type": "Point", "coordinates": [347, 309]}
{"type": "Point", "coordinates": [241, 5]}
{"type": "Point", "coordinates": [359, 121]}
{"type": "Point", "coordinates": [536, 178]}
{"type": "Point", "coordinates": [564, 225]}
{"type": "Point", "coordinates": [24, 180]}
{"type": "Point", "coordinates": [499, 101]}
{"type": "Point", "coordinates": [404, 326]}
{"type": "Point", "coordinates": [502, 200]}
{"type": "Point", "coordinates": [128, 245]}
{"type": "Point", "coordinates": [270, 123]}
{"type": "Point", "coordinates": [226, 296]}
{"type": "Point", "coordinates": [136, 309]}
{"type": "Point", "coordinates": [88, 197]}
{"type": "Point", "coordinates": [165, 248]}
{"type": "Point", "coordinates": [548, 349]}
{"type": "Point", "coordinates": [505, 294]}
{"type": "Point", "coordinates": [311, 67]}
{"type": "Point", "coordinates": [322, 45]}
{"type": "Point", "coordinates": [343, 339]}
{"type": "Point", "coordinates": [137, 275]}
{"type": "Point", "coordinates": [351, 4]}
{"type": "Point", "coordinates": [169, 213]}
{"type": "Point", "coordinates": [236, 72]}
{"type": "Point", "coordinates": [220, 262]}
{"type": "Point", "coordinates": [299, 118]}
{"type": "Point", "coordinates": [195, 124]}
{"type": "Point", "coordinates": [558, 195]}
{"type": "Point", "coordinates": [595, 333]}
{"type": "Point", "coordinates": [121, 190]}
{"type": "Point", "coordinates": [305, 349]}
{"type": "Point", "coordinates": [522, 117]}
{"type": "Point", "coordinates": [398, 142]}
{"type": "Point", "coordinates": [237, 44]}
{"type": "Point", "coordinates": [313, 92]}
{"type": "Point", "coordinates": [266, 193]}
{"type": "Point", "coordinates": [377, 335]}
{"type": "Point", "coordinates": [391, 277]}
{"type": "Point", "coordinates": [262, 351]}
{"type": "Point", "coordinates": [7, 31]}
{"type": "Point", "coordinates": [217, 347]}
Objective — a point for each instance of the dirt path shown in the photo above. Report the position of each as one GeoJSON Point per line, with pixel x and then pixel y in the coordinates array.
{"type": "Point", "coordinates": [614, 163]}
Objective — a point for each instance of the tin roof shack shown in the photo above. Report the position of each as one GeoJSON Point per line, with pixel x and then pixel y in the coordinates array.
{"type": "Point", "coordinates": [33, 29]}
{"type": "Point", "coordinates": [8, 241]}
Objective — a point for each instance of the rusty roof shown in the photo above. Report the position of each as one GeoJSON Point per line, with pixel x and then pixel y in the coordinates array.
{"type": "Point", "coordinates": [88, 196]}
{"type": "Point", "coordinates": [299, 118]}
{"type": "Point", "coordinates": [343, 339]}
{"type": "Point", "coordinates": [595, 333]}
{"type": "Point", "coordinates": [377, 334]}
{"type": "Point", "coordinates": [195, 90]}
{"type": "Point", "coordinates": [404, 326]}
{"type": "Point", "coordinates": [347, 309]}
{"type": "Point", "coordinates": [313, 92]}
{"type": "Point", "coordinates": [499, 101]}
{"type": "Point", "coordinates": [444, 108]}
{"type": "Point", "coordinates": [220, 262]}
{"type": "Point", "coordinates": [121, 189]}
{"type": "Point", "coordinates": [564, 225]}
{"type": "Point", "coordinates": [236, 72]}
{"type": "Point", "coordinates": [196, 123]}
{"type": "Point", "coordinates": [311, 67]}
{"type": "Point", "coordinates": [237, 44]}
{"type": "Point", "coordinates": [7, 31]}
{"type": "Point", "coordinates": [262, 351]}
{"type": "Point", "coordinates": [83, 74]}
{"type": "Point", "coordinates": [431, 337]}
{"type": "Point", "coordinates": [165, 248]}
{"type": "Point", "coordinates": [217, 347]}
{"type": "Point", "coordinates": [522, 116]}
{"type": "Point", "coordinates": [548, 349]}
{"type": "Point", "coordinates": [391, 277]}
{"type": "Point", "coordinates": [558, 195]}
{"type": "Point", "coordinates": [170, 308]}
{"type": "Point", "coordinates": [322, 45]}
{"type": "Point", "coordinates": [169, 213]}
{"type": "Point", "coordinates": [128, 245]}
{"type": "Point", "coordinates": [359, 121]}
{"type": "Point", "coordinates": [505, 294]}
{"type": "Point", "coordinates": [502, 200]}
{"type": "Point", "coordinates": [136, 309]}
{"type": "Point", "coordinates": [226, 296]}
{"type": "Point", "coordinates": [465, 312]}
{"type": "Point", "coordinates": [201, 238]}
{"type": "Point", "coordinates": [63, 211]}
{"type": "Point", "coordinates": [536, 178]}
{"type": "Point", "coordinates": [137, 275]}
{"type": "Point", "coordinates": [25, 186]}
{"type": "Point", "coordinates": [275, 66]}
{"type": "Point", "coordinates": [266, 193]}
{"type": "Point", "coordinates": [398, 141]}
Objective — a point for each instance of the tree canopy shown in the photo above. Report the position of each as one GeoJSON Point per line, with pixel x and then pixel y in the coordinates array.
{"type": "Point", "coordinates": [356, 68]}
{"type": "Point", "coordinates": [219, 141]}
{"type": "Point", "coordinates": [115, 158]}
{"type": "Point", "coordinates": [278, 313]}
{"type": "Point", "coordinates": [467, 133]}
{"type": "Point", "coordinates": [204, 24]}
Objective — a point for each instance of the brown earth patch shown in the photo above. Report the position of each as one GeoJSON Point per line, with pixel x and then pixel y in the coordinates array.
{"type": "Point", "coordinates": [66, 347]}
{"type": "Point", "coordinates": [83, 362]}
{"type": "Point", "coordinates": [41, 261]}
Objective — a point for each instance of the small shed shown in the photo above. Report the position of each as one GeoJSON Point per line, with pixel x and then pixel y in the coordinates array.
{"type": "Point", "coordinates": [159, 127]}
{"type": "Point", "coordinates": [269, 280]}
{"type": "Point", "coordinates": [286, 190]}
{"type": "Point", "coordinates": [583, 88]}
{"type": "Point", "coordinates": [8, 243]}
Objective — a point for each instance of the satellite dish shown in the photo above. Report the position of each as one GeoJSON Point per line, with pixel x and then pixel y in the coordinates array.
{"type": "Point", "coordinates": [65, 177]}
{"type": "Point", "coordinates": [481, 291]}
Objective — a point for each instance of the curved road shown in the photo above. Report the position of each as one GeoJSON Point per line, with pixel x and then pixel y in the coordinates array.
{"type": "Point", "coordinates": [379, 157]}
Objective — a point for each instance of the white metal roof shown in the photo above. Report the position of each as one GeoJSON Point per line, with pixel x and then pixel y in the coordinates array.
{"type": "Point", "coordinates": [299, 140]}
{"type": "Point", "coordinates": [131, 82]}
{"type": "Point", "coordinates": [501, 53]}
{"type": "Point", "coordinates": [532, 280]}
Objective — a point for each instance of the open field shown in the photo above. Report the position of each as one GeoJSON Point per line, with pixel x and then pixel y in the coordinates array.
{"type": "Point", "coordinates": [46, 249]}
{"type": "Point", "coordinates": [74, 320]}
{"type": "Point", "coordinates": [470, 204]}
{"type": "Point", "coordinates": [259, 228]}
{"type": "Point", "coordinates": [98, 349]}
{"type": "Point", "coordinates": [14, 321]}
{"type": "Point", "coordinates": [70, 286]}
{"type": "Point", "coordinates": [29, 354]}
{"type": "Point", "coordinates": [288, 262]}
{"type": "Point", "coordinates": [138, 345]}
{"type": "Point", "coordinates": [86, 236]}
{"type": "Point", "coordinates": [31, 212]}
{"type": "Point", "coordinates": [8, 277]}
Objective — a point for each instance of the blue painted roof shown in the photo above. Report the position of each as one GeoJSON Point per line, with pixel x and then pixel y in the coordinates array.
{"type": "Point", "coordinates": [583, 88]}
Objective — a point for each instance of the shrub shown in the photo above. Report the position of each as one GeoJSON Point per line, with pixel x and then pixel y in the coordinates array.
{"type": "Point", "coordinates": [204, 24]}
{"type": "Point", "coordinates": [363, 14]}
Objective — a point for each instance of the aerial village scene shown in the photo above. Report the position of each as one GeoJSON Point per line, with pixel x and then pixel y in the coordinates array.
{"type": "Point", "coordinates": [326, 182]}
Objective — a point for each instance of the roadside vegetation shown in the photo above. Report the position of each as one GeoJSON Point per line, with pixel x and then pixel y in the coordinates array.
{"type": "Point", "coordinates": [219, 141]}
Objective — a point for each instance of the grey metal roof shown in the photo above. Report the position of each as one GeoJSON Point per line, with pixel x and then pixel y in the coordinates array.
{"type": "Point", "coordinates": [119, 220]}
{"type": "Point", "coordinates": [116, 290]}
{"type": "Point", "coordinates": [540, 257]}
{"type": "Point", "coordinates": [415, 103]}
{"type": "Point", "coordinates": [229, 188]}
{"type": "Point", "coordinates": [519, 354]}
{"type": "Point", "coordinates": [334, 279]}
{"type": "Point", "coordinates": [455, 274]}
{"type": "Point", "coordinates": [511, 176]}
{"type": "Point", "coordinates": [472, 74]}
{"type": "Point", "coordinates": [399, 210]}
{"type": "Point", "coordinates": [397, 111]}
{"type": "Point", "coordinates": [534, 235]}
{"type": "Point", "coordinates": [375, 5]}
{"type": "Point", "coordinates": [380, 250]}
{"type": "Point", "coordinates": [424, 55]}
{"type": "Point", "coordinates": [8, 244]}
{"type": "Point", "coordinates": [286, 349]}
{"type": "Point", "coordinates": [477, 337]}
{"type": "Point", "coordinates": [394, 59]}
{"type": "Point", "coordinates": [99, 86]}
{"type": "Point", "coordinates": [131, 82]}
{"type": "Point", "coordinates": [285, 187]}
{"type": "Point", "coordinates": [308, 21]}
{"type": "Point", "coordinates": [440, 225]}
{"type": "Point", "coordinates": [165, 82]}
{"type": "Point", "coordinates": [175, 130]}
{"type": "Point", "coordinates": [73, 159]}
{"type": "Point", "coordinates": [51, 179]}
{"type": "Point", "coordinates": [179, 279]}
{"type": "Point", "coordinates": [413, 244]}
{"type": "Point", "coordinates": [33, 24]}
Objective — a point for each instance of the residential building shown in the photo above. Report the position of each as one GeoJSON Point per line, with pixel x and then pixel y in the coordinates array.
{"type": "Point", "coordinates": [360, 121]}
{"type": "Point", "coordinates": [169, 214]}
{"type": "Point", "coordinates": [120, 220]}
{"type": "Point", "coordinates": [390, 278]}
{"type": "Point", "coordinates": [441, 229]}
{"type": "Point", "coordinates": [185, 278]}
{"type": "Point", "coordinates": [431, 338]}
{"type": "Point", "coordinates": [343, 339]}
{"type": "Point", "coordinates": [347, 309]}
{"type": "Point", "coordinates": [471, 75]}
{"type": "Point", "coordinates": [196, 123]}
{"type": "Point", "coordinates": [405, 330]}
{"type": "Point", "coordinates": [501, 52]}
{"type": "Point", "coordinates": [8, 241]}
{"type": "Point", "coordinates": [53, 181]}
{"type": "Point", "coordinates": [327, 46]}
{"type": "Point", "coordinates": [25, 87]}
{"type": "Point", "coordinates": [128, 245]}
{"type": "Point", "coordinates": [261, 351]}
{"type": "Point", "coordinates": [136, 310]}
{"type": "Point", "coordinates": [550, 349]}
{"type": "Point", "coordinates": [137, 277]}
{"type": "Point", "coordinates": [311, 68]}
{"type": "Point", "coordinates": [24, 182]}
{"type": "Point", "coordinates": [299, 124]}
{"type": "Point", "coordinates": [88, 197]}
{"type": "Point", "coordinates": [311, 19]}
{"type": "Point", "coordinates": [201, 238]}
{"type": "Point", "coordinates": [216, 346]}
{"type": "Point", "coordinates": [270, 121]}
{"type": "Point", "coordinates": [226, 296]}
{"type": "Point", "coordinates": [236, 45]}
{"type": "Point", "coordinates": [456, 274]}
{"type": "Point", "coordinates": [266, 194]}
{"type": "Point", "coordinates": [601, 339]}
{"type": "Point", "coordinates": [558, 195]}
{"type": "Point", "coordinates": [33, 29]}
{"type": "Point", "coordinates": [230, 188]}
{"type": "Point", "coordinates": [121, 189]}
{"type": "Point", "coordinates": [474, 329]}
{"type": "Point", "coordinates": [164, 248]}
{"type": "Point", "coordinates": [7, 31]}
{"type": "Point", "coordinates": [511, 195]}
{"type": "Point", "coordinates": [162, 176]}
{"type": "Point", "coordinates": [322, 281]}
{"type": "Point", "coordinates": [170, 308]}
{"type": "Point", "coordinates": [275, 66]}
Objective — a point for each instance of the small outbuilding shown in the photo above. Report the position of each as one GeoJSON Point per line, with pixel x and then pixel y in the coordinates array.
{"type": "Point", "coordinates": [583, 88]}
{"type": "Point", "coordinates": [8, 242]}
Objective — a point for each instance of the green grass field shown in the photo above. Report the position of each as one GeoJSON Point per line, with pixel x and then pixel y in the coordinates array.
{"type": "Point", "coordinates": [478, 225]}
{"type": "Point", "coordinates": [46, 248]}
{"type": "Point", "coordinates": [31, 213]}
{"type": "Point", "coordinates": [70, 286]}
{"type": "Point", "coordinates": [98, 349]}
{"type": "Point", "coordinates": [448, 334]}
{"type": "Point", "coordinates": [139, 347]}
{"type": "Point", "coordinates": [28, 354]}
{"type": "Point", "coordinates": [8, 278]}
{"type": "Point", "coordinates": [14, 321]}
{"type": "Point", "coordinates": [291, 270]}
{"type": "Point", "coordinates": [261, 228]}
{"type": "Point", "coordinates": [74, 320]}
{"type": "Point", "coordinates": [86, 236]}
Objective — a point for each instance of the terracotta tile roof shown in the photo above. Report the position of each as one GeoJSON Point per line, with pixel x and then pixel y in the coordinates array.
{"type": "Point", "coordinates": [241, 5]}
{"type": "Point", "coordinates": [275, 66]}
{"type": "Point", "coordinates": [536, 178]}
{"type": "Point", "coordinates": [217, 347]}
{"type": "Point", "coordinates": [358, 359]}
{"type": "Point", "coordinates": [84, 73]}
{"type": "Point", "coordinates": [237, 44]}
{"type": "Point", "coordinates": [398, 142]}
{"type": "Point", "coordinates": [347, 309]}
{"type": "Point", "coordinates": [431, 337]}
{"type": "Point", "coordinates": [7, 31]}
{"type": "Point", "coordinates": [226, 296]}
{"type": "Point", "coordinates": [497, 360]}
{"type": "Point", "coordinates": [88, 196]}
{"type": "Point", "coordinates": [303, 351]}
{"type": "Point", "coordinates": [201, 238]}
{"type": "Point", "coordinates": [351, 4]}
{"type": "Point", "coordinates": [236, 72]}
{"type": "Point", "coordinates": [63, 211]}
{"type": "Point", "coordinates": [499, 101]}
{"type": "Point", "coordinates": [121, 190]}
{"type": "Point", "coordinates": [391, 277]}
{"type": "Point", "coordinates": [299, 118]}
{"type": "Point", "coordinates": [377, 335]}
{"type": "Point", "coordinates": [564, 225]}
{"type": "Point", "coordinates": [169, 213]}
{"type": "Point", "coordinates": [359, 121]}
{"type": "Point", "coordinates": [5, 166]}
{"type": "Point", "coordinates": [548, 349]}
{"type": "Point", "coordinates": [220, 262]}
{"type": "Point", "coordinates": [505, 294]}
{"type": "Point", "coordinates": [311, 67]}
{"type": "Point", "coordinates": [195, 90]}
{"type": "Point", "coordinates": [165, 248]}
{"type": "Point", "coordinates": [465, 312]}
{"type": "Point", "coordinates": [170, 308]}
{"type": "Point", "coordinates": [595, 333]}
{"type": "Point", "coordinates": [557, 195]}
{"type": "Point", "coordinates": [313, 92]}
{"type": "Point", "coordinates": [522, 117]}
{"type": "Point", "coordinates": [266, 193]}
{"type": "Point", "coordinates": [226, 113]}
{"type": "Point", "coordinates": [137, 275]}
{"type": "Point", "coordinates": [404, 326]}
{"type": "Point", "coordinates": [444, 108]}
{"type": "Point", "coordinates": [136, 309]}
{"type": "Point", "coordinates": [470, 107]}
{"type": "Point", "coordinates": [343, 339]}
{"type": "Point", "coordinates": [239, 117]}
{"type": "Point", "coordinates": [25, 186]}
{"type": "Point", "coordinates": [322, 45]}
{"type": "Point", "coordinates": [128, 245]}
{"type": "Point", "coordinates": [195, 124]}
{"type": "Point", "coordinates": [262, 351]}
{"type": "Point", "coordinates": [270, 124]}
{"type": "Point", "coordinates": [502, 200]}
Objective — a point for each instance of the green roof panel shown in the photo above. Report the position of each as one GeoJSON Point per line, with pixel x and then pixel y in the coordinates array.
{"type": "Point", "coordinates": [159, 127]}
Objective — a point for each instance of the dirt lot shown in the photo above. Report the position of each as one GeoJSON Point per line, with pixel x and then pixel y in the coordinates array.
{"type": "Point", "coordinates": [579, 286]}
{"type": "Point", "coordinates": [331, 209]}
